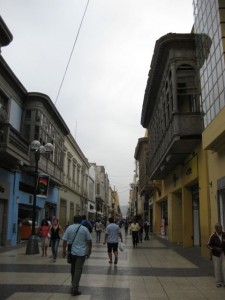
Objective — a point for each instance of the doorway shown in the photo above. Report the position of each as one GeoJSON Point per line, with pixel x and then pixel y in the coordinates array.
{"type": "Point", "coordinates": [195, 216]}
{"type": "Point", "coordinates": [3, 214]}
{"type": "Point", "coordinates": [221, 207]}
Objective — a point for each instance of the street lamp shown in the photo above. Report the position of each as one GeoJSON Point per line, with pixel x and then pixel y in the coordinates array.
{"type": "Point", "coordinates": [32, 245]}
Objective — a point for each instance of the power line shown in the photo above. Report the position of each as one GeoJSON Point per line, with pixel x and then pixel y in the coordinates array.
{"type": "Point", "coordinates": [71, 52]}
{"type": "Point", "coordinates": [123, 191]}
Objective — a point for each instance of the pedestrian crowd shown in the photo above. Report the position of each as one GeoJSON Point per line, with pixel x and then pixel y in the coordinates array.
{"type": "Point", "coordinates": [79, 237]}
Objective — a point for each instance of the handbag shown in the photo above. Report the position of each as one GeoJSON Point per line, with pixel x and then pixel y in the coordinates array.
{"type": "Point", "coordinates": [69, 247]}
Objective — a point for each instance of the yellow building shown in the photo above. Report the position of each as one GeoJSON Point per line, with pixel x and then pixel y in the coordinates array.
{"type": "Point", "coordinates": [176, 162]}
{"type": "Point", "coordinates": [184, 112]}
{"type": "Point", "coordinates": [212, 81]}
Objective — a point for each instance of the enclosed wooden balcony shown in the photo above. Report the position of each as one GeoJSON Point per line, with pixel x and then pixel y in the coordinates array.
{"type": "Point", "coordinates": [14, 149]}
{"type": "Point", "coordinates": [145, 185]}
{"type": "Point", "coordinates": [179, 140]}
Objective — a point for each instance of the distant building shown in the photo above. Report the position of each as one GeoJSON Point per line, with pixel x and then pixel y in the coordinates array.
{"type": "Point", "coordinates": [73, 195]}
{"type": "Point", "coordinates": [146, 186]}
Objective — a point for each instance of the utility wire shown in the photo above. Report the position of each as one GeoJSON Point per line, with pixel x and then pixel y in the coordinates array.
{"type": "Point", "coordinates": [71, 52]}
{"type": "Point", "coordinates": [123, 191]}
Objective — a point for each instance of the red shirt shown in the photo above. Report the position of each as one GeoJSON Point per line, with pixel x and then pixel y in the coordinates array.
{"type": "Point", "coordinates": [44, 231]}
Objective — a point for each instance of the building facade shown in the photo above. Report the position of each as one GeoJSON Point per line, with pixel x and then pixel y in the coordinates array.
{"type": "Point", "coordinates": [209, 27]}
{"type": "Point", "coordinates": [176, 162]}
{"type": "Point", "coordinates": [25, 117]}
{"type": "Point", "coordinates": [145, 184]}
{"type": "Point", "coordinates": [92, 194]}
{"type": "Point", "coordinates": [73, 194]}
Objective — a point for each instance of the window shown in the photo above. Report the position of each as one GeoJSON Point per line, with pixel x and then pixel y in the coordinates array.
{"type": "Point", "coordinates": [187, 100]}
{"type": "Point", "coordinates": [38, 116]}
{"type": "Point", "coordinates": [36, 133]}
{"type": "Point", "coordinates": [3, 101]}
{"type": "Point", "coordinates": [27, 131]}
{"type": "Point", "coordinates": [27, 115]}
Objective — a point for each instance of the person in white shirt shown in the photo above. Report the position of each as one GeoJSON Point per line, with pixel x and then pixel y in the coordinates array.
{"type": "Point", "coordinates": [81, 240]}
{"type": "Point", "coordinates": [112, 235]}
{"type": "Point", "coordinates": [98, 229]}
{"type": "Point", "coordinates": [135, 227]}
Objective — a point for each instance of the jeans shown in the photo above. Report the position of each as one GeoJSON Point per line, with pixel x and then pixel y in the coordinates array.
{"type": "Point", "coordinates": [54, 245]}
{"type": "Point", "coordinates": [77, 263]}
{"type": "Point", "coordinates": [98, 236]}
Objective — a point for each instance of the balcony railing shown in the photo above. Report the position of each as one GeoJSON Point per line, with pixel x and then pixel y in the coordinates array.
{"type": "Point", "coordinates": [52, 169]}
{"type": "Point", "coordinates": [13, 144]}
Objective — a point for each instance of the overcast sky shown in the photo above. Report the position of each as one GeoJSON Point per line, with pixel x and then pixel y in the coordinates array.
{"type": "Point", "coordinates": [102, 95]}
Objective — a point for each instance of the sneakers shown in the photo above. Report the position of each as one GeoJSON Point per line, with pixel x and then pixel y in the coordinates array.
{"type": "Point", "coordinates": [219, 285]}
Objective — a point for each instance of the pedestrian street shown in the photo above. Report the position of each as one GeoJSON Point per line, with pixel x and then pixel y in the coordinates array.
{"type": "Point", "coordinates": [155, 269]}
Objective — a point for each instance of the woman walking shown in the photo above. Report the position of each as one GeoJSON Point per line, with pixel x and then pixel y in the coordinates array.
{"type": "Point", "coordinates": [54, 231]}
{"type": "Point", "coordinates": [44, 229]}
{"type": "Point", "coordinates": [98, 229]}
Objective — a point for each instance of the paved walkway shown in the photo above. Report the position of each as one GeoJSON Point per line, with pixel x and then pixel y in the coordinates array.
{"type": "Point", "coordinates": [156, 270]}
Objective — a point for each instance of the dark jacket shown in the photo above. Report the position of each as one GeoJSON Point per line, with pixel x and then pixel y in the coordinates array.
{"type": "Point", "coordinates": [214, 243]}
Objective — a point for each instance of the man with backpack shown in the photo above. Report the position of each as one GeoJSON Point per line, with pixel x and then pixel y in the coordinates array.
{"type": "Point", "coordinates": [86, 223]}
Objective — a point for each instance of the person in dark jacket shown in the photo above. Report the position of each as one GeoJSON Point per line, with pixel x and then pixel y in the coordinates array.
{"type": "Point", "coordinates": [54, 232]}
{"type": "Point", "coordinates": [216, 244]}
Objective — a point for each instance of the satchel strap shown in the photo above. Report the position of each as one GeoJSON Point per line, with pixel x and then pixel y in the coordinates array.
{"type": "Point", "coordinates": [75, 235]}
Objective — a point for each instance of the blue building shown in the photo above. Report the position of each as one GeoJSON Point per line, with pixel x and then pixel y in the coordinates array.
{"type": "Point", "coordinates": [25, 117]}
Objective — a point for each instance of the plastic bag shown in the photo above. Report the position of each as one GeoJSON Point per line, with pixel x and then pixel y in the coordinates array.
{"type": "Point", "coordinates": [121, 246]}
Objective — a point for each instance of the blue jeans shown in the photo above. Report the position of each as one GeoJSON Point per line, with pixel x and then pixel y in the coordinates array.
{"type": "Point", "coordinates": [55, 244]}
{"type": "Point", "coordinates": [77, 263]}
{"type": "Point", "coordinates": [98, 236]}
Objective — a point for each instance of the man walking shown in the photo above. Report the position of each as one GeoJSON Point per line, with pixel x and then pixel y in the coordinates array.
{"type": "Point", "coordinates": [135, 227]}
{"type": "Point", "coordinates": [81, 240]}
{"type": "Point", "coordinates": [87, 223]}
{"type": "Point", "coordinates": [111, 236]}
{"type": "Point", "coordinates": [217, 246]}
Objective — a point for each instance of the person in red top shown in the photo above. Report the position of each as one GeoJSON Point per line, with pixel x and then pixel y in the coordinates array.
{"type": "Point", "coordinates": [44, 228]}
{"type": "Point", "coordinates": [216, 244]}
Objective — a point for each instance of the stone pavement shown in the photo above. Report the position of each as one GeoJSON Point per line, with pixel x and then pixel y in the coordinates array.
{"type": "Point", "coordinates": [156, 270]}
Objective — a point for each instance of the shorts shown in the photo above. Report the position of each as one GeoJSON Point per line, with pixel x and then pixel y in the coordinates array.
{"type": "Point", "coordinates": [112, 247]}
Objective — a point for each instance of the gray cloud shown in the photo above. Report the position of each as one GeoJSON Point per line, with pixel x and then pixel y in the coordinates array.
{"type": "Point", "coordinates": [102, 95]}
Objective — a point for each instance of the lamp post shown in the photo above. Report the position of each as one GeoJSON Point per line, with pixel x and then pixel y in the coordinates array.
{"type": "Point", "coordinates": [32, 244]}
